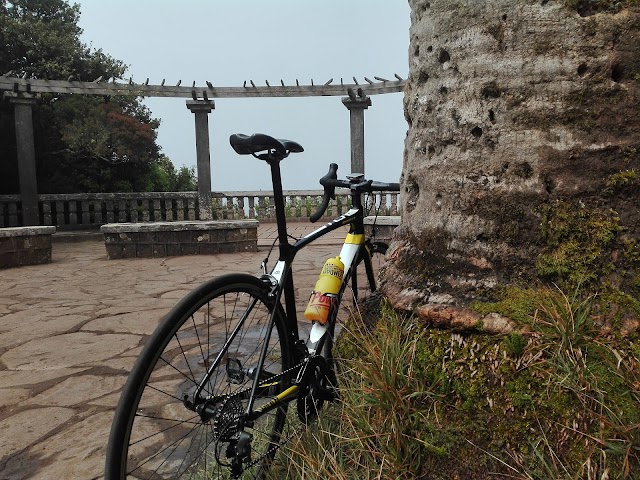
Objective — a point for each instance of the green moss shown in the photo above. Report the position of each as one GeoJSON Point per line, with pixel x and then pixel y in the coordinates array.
{"type": "Point", "coordinates": [515, 303]}
{"type": "Point", "coordinates": [590, 7]}
{"type": "Point", "coordinates": [514, 345]}
{"type": "Point", "coordinates": [577, 242]}
{"type": "Point", "coordinates": [616, 305]}
{"type": "Point", "coordinates": [632, 252]}
{"type": "Point", "coordinates": [620, 180]}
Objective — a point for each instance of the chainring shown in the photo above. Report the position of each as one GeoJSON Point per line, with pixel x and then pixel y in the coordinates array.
{"type": "Point", "coordinates": [317, 384]}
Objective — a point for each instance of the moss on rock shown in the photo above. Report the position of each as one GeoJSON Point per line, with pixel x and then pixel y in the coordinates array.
{"type": "Point", "coordinates": [577, 240]}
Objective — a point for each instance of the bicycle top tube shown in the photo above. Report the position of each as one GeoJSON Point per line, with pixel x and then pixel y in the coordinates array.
{"type": "Point", "coordinates": [276, 150]}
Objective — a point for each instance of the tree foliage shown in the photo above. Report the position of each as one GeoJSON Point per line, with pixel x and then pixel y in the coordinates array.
{"type": "Point", "coordinates": [41, 38]}
{"type": "Point", "coordinates": [83, 143]}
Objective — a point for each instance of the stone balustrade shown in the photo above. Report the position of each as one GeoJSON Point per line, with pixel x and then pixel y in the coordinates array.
{"type": "Point", "coordinates": [91, 210]}
{"type": "Point", "coordinates": [381, 227]}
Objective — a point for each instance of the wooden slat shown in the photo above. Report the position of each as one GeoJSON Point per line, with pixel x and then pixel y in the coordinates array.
{"type": "Point", "coordinates": [17, 85]}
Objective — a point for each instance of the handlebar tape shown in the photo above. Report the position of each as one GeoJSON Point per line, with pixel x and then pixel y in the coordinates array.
{"type": "Point", "coordinates": [329, 191]}
{"type": "Point", "coordinates": [385, 187]}
{"type": "Point", "coordinates": [330, 182]}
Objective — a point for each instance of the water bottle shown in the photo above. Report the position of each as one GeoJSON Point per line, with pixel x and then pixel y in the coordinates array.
{"type": "Point", "coordinates": [328, 284]}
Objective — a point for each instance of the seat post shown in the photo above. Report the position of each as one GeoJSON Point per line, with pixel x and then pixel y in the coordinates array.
{"type": "Point", "coordinates": [278, 200]}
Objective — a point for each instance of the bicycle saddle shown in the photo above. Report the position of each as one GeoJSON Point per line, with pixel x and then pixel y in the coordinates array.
{"type": "Point", "coordinates": [258, 142]}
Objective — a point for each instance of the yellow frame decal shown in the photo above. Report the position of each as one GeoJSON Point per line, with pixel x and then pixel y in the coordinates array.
{"type": "Point", "coordinates": [354, 238]}
{"type": "Point", "coordinates": [279, 398]}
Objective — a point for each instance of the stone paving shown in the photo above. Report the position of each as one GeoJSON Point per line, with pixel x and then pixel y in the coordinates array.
{"type": "Point", "coordinates": [71, 330]}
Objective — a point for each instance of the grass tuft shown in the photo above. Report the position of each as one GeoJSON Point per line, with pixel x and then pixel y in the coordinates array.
{"type": "Point", "coordinates": [561, 401]}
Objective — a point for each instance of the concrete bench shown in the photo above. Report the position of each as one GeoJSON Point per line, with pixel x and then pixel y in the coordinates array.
{"type": "Point", "coordinates": [165, 239]}
{"type": "Point", "coordinates": [384, 226]}
{"type": "Point", "coordinates": [25, 246]}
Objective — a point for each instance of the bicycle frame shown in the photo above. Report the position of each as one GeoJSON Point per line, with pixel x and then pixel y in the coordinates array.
{"type": "Point", "coordinates": [281, 280]}
{"type": "Point", "coordinates": [210, 392]}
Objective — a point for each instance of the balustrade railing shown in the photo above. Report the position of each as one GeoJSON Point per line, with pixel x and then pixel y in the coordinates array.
{"type": "Point", "coordinates": [90, 210]}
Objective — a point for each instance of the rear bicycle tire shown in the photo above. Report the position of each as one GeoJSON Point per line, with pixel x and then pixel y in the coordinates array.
{"type": "Point", "coordinates": [154, 435]}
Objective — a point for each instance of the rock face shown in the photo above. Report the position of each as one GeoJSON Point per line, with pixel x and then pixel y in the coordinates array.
{"type": "Point", "coordinates": [517, 110]}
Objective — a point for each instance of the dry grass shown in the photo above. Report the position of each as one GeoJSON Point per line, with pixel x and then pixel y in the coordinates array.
{"type": "Point", "coordinates": [418, 403]}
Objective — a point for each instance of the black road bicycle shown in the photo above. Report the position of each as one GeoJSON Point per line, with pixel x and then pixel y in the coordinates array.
{"type": "Point", "coordinates": [209, 396]}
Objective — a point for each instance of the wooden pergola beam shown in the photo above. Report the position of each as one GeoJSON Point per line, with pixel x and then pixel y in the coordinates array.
{"type": "Point", "coordinates": [25, 85]}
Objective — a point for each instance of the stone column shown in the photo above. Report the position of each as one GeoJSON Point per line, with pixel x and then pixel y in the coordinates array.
{"type": "Point", "coordinates": [23, 105]}
{"type": "Point", "coordinates": [201, 110]}
{"type": "Point", "coordinates": [356, 107]}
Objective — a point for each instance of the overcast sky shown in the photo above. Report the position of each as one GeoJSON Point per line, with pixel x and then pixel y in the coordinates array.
{"type": "Point", "coordinates": [229, 41]}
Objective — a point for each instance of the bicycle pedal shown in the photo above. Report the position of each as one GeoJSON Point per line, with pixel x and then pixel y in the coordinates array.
{"type": "Point", "coordinates": [328, 394]}
{"type": "Point", "coordinates": [235, 372]}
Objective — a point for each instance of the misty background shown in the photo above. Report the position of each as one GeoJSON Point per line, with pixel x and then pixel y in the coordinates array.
{"type": "Point", "coordinates": [228, 42]}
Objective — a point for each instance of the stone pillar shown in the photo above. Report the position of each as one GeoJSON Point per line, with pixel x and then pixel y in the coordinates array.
{"type": "Point", "coordinates": [356, 107]}
{"type": "Point", "coordinates": [23, 105]}
{"type": "Point", "coordinates": [201, 110]}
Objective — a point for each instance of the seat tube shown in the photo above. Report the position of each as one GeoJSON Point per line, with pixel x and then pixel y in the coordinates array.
{"type": "Point", "coordinates": [286, 251]}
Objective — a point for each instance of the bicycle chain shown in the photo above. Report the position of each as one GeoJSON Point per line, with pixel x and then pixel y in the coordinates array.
{"type": "Point", "coordinates": [301, 375]}
{"type": "Point", "coordinates": [275, 447]}
{"type": "Point", "coordinates": [272, 449]}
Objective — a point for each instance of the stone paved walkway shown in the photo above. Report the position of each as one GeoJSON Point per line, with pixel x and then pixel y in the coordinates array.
{"type": "Point", "coordinates": [70, 331]}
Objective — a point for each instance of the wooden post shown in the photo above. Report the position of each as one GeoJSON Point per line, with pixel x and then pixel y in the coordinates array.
{"type": "Point", "coordinates": [23, 105]}
{"type": "Point", "coordinates": [201, 110]}
{"type": "Point", "coordinates": [357, 106]}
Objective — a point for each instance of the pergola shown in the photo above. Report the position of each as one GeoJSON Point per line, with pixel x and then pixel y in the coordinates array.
{"type": "Point", "coordinates": [24, 94]}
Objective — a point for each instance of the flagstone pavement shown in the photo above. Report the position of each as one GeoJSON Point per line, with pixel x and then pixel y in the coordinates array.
{"type": "Point", "coordinates": [71, 330]}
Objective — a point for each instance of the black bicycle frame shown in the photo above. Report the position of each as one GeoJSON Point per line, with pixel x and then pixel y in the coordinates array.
{"type": "Point", "coordinates": [287, 253]}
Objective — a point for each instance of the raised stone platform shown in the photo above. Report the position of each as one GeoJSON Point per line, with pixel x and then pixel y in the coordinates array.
{"type": "Point", "coordinates": [25, 246]}
{"type": "Point", "coordinates": [166, 239]}
{"type": "Point", "coordinates": [384, 226]}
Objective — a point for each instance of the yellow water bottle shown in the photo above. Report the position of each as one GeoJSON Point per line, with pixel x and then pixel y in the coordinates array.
{"type": "Point", "coordinates": [328, 284]}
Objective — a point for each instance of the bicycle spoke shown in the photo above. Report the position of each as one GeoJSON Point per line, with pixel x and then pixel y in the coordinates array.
{"type": "Point", "coordinates": [177, 423]}
{"type": "Point", "coordinates": [168, 440]}
{"type": "Point", "coordinates": [174, 444]}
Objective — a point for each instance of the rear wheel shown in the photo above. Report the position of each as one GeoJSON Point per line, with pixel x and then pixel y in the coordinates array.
{"type": "Point", "coordinates": [161, 431]}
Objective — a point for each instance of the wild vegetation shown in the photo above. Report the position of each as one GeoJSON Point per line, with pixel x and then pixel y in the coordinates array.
{"type": "Point", "coordinates": [540, 229]}
{"type": "Point", "coordinates": [560, 400]}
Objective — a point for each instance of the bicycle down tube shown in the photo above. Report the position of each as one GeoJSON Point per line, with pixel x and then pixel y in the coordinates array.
{"type": "Point", "coordinates": [278, 276]}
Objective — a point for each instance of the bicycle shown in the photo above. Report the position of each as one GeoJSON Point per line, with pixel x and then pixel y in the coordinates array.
{"type": "Point", "coordinates": [208, 396]}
